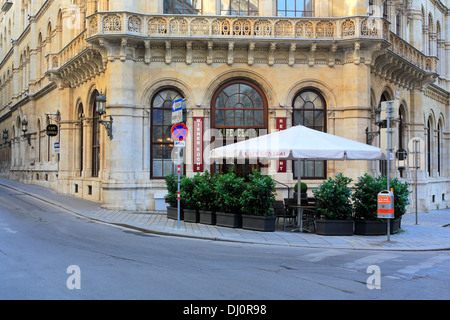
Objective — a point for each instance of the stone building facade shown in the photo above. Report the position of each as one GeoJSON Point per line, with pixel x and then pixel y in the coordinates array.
{"type": "Point", "coordinates": [241, 66]}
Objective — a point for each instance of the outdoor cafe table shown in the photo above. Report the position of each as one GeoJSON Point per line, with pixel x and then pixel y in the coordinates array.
{"type": "Point", "coordinates": [300, 215]}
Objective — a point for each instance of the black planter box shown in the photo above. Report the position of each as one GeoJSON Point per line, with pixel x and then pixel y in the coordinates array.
{"type": "Point", "coordinates": [172, 213]}
{"type": "Point", "coordinates": [376, 228]}
{"type": "Point", "coordinates": [335, 227]}
{"type": "Point", "coordinates": [191, 215]}
{"type": "Point", "coordinates": [208, 217]}
{"type": "Point", "coordinates": [231, 220]}
{"type": "Point", "coordinates": [258, 223]}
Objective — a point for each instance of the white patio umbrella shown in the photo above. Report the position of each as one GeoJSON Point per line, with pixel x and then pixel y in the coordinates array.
{"type": "Point", "coordinates": [298, 143]}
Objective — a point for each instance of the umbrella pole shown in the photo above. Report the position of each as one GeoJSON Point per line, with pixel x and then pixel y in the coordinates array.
{"type": "Point", "coordinates": [299, 194]}
{"type": "Point", "coordinates": [299, 201]}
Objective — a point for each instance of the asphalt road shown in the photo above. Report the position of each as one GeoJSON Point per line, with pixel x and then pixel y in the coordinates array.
{"type": "Point", "coordinates": [49, 253]}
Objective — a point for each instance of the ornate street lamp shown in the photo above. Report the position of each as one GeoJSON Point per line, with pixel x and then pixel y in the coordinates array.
{"type": "Point", "coordinates": [5, 136]}
{"type": "Point", "coordinates": [24, 130]}
{"type": "Point", "coordinates": [379, 123]}
{"type": "Point", "coordinates": [100, 102]}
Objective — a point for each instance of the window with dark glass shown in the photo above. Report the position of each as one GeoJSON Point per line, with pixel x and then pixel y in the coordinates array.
{"type": "Point", "coordinates": [295, 8]}
{"type": "Point", "coordinates": [95, 137]}
{"type": "Point", "coordinates": [183, 6]}
{"type": "Point", "coordinates": [239, 7]}
{"type": "Point", "coordinates": [309, 110]}
{"type": "Point", "coordinates": [161, 138]}
{"type": "Point", "coordinates": [429, 147]}
{"type": "Point", "coordinates": [439, 148]}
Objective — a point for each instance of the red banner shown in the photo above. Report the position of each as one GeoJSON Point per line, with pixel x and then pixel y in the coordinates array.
{"type": "Point", "coordinates": [281, 125]}
{"type": "Point", "coordinates": [198, 144]}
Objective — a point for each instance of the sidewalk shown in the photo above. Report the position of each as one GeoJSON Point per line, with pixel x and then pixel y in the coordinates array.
{"type": "Point", "coordinates": [429, 234]}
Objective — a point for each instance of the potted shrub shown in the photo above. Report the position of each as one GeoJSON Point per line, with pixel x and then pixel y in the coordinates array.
{"type": "Point", "coordinates": [365, 205]}
{"type": "Point", "coordinates": [171, 197]}
{"type": "Point", "coordinates": [303, 195]}
{"type": "Point", "coordinates": [364, 199]}
{"type": "Point", "coordinates": [204, 193]}
{"type": "Point", "coordinates": [188, 199]}
{"type": "Point", "coordinates": [257, 201]}
{"type": "Point", "coordinates": [228, 190]}
{"type": "Point", "coordinates": [334, 207]}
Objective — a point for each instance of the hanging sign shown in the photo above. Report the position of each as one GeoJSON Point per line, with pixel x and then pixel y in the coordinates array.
{"type": "Point", "coordinates": [198, 144]}
{"type": "Point", "coordinates": [52, 130]}
{"type": "Point", "coordinates": [281, 125]}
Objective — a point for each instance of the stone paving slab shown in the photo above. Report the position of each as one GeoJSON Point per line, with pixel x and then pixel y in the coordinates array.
{"type": "Point", "coordinates": [431, 233]}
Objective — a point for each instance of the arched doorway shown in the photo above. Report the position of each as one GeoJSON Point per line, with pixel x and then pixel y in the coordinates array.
{"type": "Point", "coordinates": [238, 112]}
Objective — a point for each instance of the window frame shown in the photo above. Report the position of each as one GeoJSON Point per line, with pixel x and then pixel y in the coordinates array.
{"type": "Point", "coordinates": [169, 8]}
{"type": "Point", "coordinates": [152, 126]}
{"type": "Point", "coordinates": [228, 12]}
{"type": "Point", "coordinates": [297, 13]}
{"type": "Point", "coordinates": [324, 109]}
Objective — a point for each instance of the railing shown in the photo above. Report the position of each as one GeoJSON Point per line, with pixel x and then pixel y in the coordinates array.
{"type": "Point", "coordinates": [412, 55]}
{"type": "Point", "coordinates": [105, 23]}
{"type": "Point", "coordinates": [77, 45]}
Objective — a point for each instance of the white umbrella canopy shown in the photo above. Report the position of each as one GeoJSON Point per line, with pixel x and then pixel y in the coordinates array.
{"type": "Point", "coordinates": [298, 142]}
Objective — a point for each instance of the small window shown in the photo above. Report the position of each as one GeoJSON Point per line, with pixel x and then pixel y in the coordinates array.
{"type": "Point", "coordinates": [183, 6]}
{"type": "Point", "coordinates": [239, 7]}
{"type": "Point", "coordinates": [297, 8]}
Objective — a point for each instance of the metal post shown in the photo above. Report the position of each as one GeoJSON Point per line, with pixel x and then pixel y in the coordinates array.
{"type": "Point", "coordinates": [178, 191]}
{"type": "Point", "coordinates": [389, 109]}
{"type": "Point", "coordinates": [416, 146]}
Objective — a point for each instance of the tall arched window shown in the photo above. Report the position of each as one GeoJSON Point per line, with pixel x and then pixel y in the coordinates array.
{"type": "Point", "coordinates": [401, 134]}
{"type": "Point", "coordinates": [161, 142]}
{"type": "Point", "coordinates": [80, 115]}
{"type": "Point", "coordinates": [239, 111]}
{"type": "Point", "coordinates": [39, 148]}
{"type": "Point", "coordinates": [95, 136]}
{"type": "Point", "coordinates": [439, 146]}
{"type": "Point", "coordinates": [429, 139]}
{"type": "Point", "coordinates": [309, 110]}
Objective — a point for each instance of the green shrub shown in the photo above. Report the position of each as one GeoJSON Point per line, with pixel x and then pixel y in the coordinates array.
{"type": "Point", "coordinates": [187, 198]}
{"type": "Point", "coordinates": [365, 196]}
{"type": "Point", "coordinates": [401, 193]}
{"type": "Point", "coordinates": [259, 195]}
{"type": "Point", "coordinates": [172, 189]}
{"type": "Point", "coordinates": [304, 187]}
{"type": "Point", "coordinates": [228, 190]}
{"type": "Point", "coordinates": [333, 198]}
{"type": "Point", "coordinates": [205, 192]}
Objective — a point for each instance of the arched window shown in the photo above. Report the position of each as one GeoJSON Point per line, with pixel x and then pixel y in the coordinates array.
{"type": "Point", "coordinates": [161, 142]}
{"type": "Point", "coordinates": [309, 110]}
{"type": "Point", "coordinates": [429, 139]}
{"type": "Point", "coordinates": [80, 115]}
{"type": "Point", "coordinates": [239, 111]}
{"type": "Point", "coordinates": [401, 134]}
{"type": "Point", "coordinates": [39, 140]}
{"type": "Point", "coordinates": [95, 136]}
{"type": "Point", "coordinates": [439, 146]}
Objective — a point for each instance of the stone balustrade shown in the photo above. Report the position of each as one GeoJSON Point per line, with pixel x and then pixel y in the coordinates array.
{"type": "Point", "coordinates": [104, 23]}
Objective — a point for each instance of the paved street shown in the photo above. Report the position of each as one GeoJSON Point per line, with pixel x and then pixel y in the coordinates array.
{"type": "Point", "coordinates": [41, 244]}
